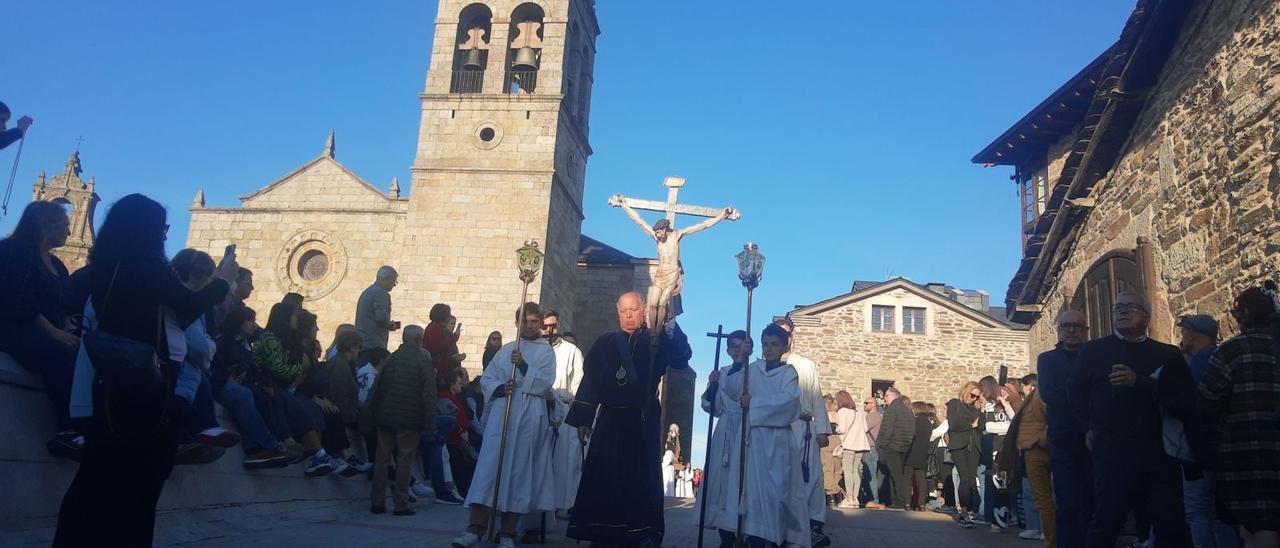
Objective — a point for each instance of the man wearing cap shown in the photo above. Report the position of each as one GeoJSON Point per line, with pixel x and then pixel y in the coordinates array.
{"type": "Point", "coordinates": [1198, 341]}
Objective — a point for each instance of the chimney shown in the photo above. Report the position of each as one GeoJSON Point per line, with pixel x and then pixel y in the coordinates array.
{"type": "Point", "coordinates": [937, 287]}
{"type": "Point", "coordinates": [985, 300]}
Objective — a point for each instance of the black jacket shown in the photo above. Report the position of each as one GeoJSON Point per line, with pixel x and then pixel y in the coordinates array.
{"type": "Point", "coordinates": [1132, 412]}
{"type": "Point", "coordinates": [918, 455]}
{"type": "Point", "coordinates": [898, 429]}
{"type": "Point", "coordinates": [961, 433]}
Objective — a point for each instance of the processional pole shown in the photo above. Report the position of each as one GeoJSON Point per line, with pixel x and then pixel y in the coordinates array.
{"type": "Point", "coordinates": [706, 458]}
{"type": "Point", "coordinates": [750, 269]}
{"type": "Point", "coordinates": [529, 260]}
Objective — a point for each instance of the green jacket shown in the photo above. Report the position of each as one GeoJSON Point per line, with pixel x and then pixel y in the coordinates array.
{"type": "Point", "coordinates": [404, 396]}
{"type": "Point", "coordinates": [269, 356]}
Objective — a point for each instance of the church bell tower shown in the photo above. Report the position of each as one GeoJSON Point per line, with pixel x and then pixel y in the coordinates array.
{"type": "Point", "coordinates": [501, 159]}
{"type": "Point", "coordinates": [80, 199]}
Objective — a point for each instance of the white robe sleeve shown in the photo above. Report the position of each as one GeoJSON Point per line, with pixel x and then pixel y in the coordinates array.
{"type": "Point", "coordinates": [498, 372]}
{"type": "Point", "coordinates": [779, 405]}
{"type": "Point", "coordinates": [541, 374]}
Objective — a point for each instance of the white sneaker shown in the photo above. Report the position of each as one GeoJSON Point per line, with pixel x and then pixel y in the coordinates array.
{"type": "Point", "coordinates": [506, 542]}
{"type": "Point", "coordinates": [467, 540]}
{"type": "Point", "coordinates": [847, 504]}
{"type": "Point", "coordinates": [996, 529]}
{"type": "Point", "coordinates": [1031, 534]}
{"type": "Point", "coordinates": [422, 491]}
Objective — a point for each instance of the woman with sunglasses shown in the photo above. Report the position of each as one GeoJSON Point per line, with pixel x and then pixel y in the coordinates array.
{"type": "Point", "coordinates": [963, 441]}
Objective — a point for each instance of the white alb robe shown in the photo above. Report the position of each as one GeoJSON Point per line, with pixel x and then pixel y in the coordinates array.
{"type": "Point", "coordinates": [718, 481]}
{"type": "Point", "coordinates": [669, 473]}
{"type": "Point", "coordinates": [566, 455]}
{"type": "Point", "coordinates": [527, 483]}
{"type": "Point", "coordinates": [773, 470]}
{"type": "Point", "coordinates": [811, 494]}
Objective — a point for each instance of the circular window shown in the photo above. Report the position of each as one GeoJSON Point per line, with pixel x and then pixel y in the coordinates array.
{"type": "Point", "coordinates": [487, 136]}
{"type": "Point", "coordinates": [313, 265]}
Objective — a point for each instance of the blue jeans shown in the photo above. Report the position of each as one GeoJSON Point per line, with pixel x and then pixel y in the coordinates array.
{"type": "Point", "coordinates": [238, 399]}
{"type": "Point", "coordinates": [429, 448]}
{"type": "Point", "coordinates": [875, 477]}
{"type": "Point", "coordinates": [1206, 530]}
{"type": "Point", "coordinates": [1028, 506]}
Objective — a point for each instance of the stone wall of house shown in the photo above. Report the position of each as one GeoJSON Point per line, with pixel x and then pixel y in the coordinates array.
{"type": "Point", "coordinates": [1199, 175]}
{"type": "Point", "coordinates": [929, 367]}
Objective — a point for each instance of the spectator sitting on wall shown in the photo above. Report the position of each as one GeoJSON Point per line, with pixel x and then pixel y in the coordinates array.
{"type": "Point", "coordinates": [274, 362]}
{"type": "Point", "coordinates": [237, 385]}
{"type": "Point", "coordinates": [35, 328]}
{"type": "Point", "coordinates": [203, 440]}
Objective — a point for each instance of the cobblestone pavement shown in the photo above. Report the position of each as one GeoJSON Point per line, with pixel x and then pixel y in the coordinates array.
{"type": "Point", "coordinates": [436, 524]}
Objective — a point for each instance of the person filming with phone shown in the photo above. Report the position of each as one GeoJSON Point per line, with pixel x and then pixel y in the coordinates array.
{"type": "Point", "coordinates": [1125, 386]}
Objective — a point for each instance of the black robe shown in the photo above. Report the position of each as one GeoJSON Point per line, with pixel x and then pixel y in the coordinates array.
{"type": "Point", "coordinates": [620, 496]}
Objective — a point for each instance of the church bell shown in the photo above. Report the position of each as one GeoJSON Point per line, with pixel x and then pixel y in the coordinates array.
{"type": "Point", "coordinates": [526, 60]}
{"type": "Point", "coordinates": [473, 61]}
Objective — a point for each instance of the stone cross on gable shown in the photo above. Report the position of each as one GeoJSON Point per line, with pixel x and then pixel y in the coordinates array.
{"type": "Point", "coordinates": [670, 207]}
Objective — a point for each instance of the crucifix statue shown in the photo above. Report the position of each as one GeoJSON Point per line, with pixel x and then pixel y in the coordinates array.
{"type": "Point", "coordinates": [668, 281]}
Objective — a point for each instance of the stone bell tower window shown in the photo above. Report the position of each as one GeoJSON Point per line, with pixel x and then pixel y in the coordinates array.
{"type": "Point", "coordinates": [471, 56]}
{"type": "Point", "coordinates": [524, 55]}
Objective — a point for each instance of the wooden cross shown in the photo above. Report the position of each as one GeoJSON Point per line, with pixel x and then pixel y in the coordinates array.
{"type": "Point", "coordinates": [671, 208]}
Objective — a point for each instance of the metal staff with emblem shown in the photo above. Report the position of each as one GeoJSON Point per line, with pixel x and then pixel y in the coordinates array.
{"type": "Point", "coordinates": [750, 269]}
{"type": "Point", "coordinates": [529, 261]}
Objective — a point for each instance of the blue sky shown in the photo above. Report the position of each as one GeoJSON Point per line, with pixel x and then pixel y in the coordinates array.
{"type": "Point", "coordinates": [842, 130]}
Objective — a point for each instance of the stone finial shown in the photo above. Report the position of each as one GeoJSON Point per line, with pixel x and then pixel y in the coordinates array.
{"type": "Point", "coordinates": [93, 183]}
{"type": "Point", "coordinates": [329, 144]}
{"type": "Point", "coordinates": [42, 179]}
{"type": "Point", "coordinates": [199, 199]}
{"type": "Point", "coordinates": [73, 164]}
{"type": "Point", "coordinates": [395, 187]}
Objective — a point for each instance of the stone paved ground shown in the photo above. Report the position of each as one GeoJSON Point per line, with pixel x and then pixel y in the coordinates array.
{"type": "Point", "coordinates": [435, 525]}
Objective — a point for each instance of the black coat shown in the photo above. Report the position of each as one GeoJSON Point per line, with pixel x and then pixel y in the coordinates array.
{"type": "Point", "coordinates": [918, 455]}
{"type": "Point", "coordinates": [961, 433]}
{"type": "Point", "coordinates": [898, 429]}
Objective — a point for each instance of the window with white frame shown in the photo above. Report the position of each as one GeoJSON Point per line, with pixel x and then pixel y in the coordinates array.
{"type": "Point", "coordinates": [912, 320]}
{"type": "Point", "coordinates": [882, 319]}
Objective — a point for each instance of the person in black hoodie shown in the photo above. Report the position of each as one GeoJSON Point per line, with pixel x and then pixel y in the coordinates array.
{"type": "Point", "coordinates": [130, 441]}
{"type": "Point", "coordinates": [917, 462]}
{"type": "Point", "coordinates": [897, 431]}
{"type": "Point", "coordinates": [1124, 384]}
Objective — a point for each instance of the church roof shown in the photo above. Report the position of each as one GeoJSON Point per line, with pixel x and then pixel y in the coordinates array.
{"type": "Point", "coordinates": [328, 156]}
{"type": "Point", "coordinates": [941, 294]}
{"type": "Point", "coordinates": [593, 251]}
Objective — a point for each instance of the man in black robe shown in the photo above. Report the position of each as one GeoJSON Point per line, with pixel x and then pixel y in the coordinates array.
{"type": "Point", "coordinates": [620, 497]}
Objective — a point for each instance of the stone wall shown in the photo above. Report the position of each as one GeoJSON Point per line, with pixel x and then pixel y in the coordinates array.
{"type": "Point", "coordinates": [929, 367]}
{"type": "Point", "coordinates": [1199, 173]}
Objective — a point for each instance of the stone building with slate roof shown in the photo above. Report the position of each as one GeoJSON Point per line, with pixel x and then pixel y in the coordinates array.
{"type": "Point", "coordinates": [1154, 169]}
{"type": "Point", "coordinates": [926, 340]}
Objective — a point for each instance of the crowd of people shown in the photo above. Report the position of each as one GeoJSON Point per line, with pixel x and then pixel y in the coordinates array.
{"type": "Point", "coordinates": [1118, 439]}
{"type": "Point", "coordinates": [135, 349]}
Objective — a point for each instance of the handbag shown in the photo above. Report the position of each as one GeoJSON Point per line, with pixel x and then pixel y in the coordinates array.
{"type": "Point", "coordinates": [127, 367]}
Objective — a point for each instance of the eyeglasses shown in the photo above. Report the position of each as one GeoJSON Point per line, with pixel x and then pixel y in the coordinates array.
{"type": "Point", "coordinates": [1128, 307]}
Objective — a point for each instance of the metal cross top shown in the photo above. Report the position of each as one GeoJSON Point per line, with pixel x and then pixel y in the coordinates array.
{"type": "Point", "coordinates": [670, 207]}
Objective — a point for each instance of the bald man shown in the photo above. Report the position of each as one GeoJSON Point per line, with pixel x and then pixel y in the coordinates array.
{"type": "Point", "coordinates": [619, 498]}
{"type": "Point", "coordinates": [1068, 457]}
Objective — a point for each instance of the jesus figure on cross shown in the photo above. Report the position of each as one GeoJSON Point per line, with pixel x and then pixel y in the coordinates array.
{"type": "Point", "coordinates": [668, 280]}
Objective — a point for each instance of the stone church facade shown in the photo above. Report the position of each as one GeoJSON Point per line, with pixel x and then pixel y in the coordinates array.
{"type": "Point", "coordinates": [1154, 169]}
{"type": "Point", "coordinates": [501, 159]}
{"type": "Point", "coordinates": [925, 340]}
